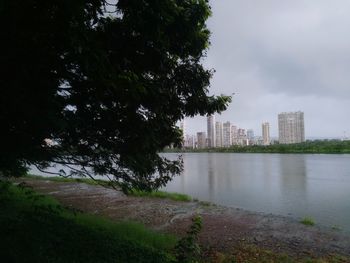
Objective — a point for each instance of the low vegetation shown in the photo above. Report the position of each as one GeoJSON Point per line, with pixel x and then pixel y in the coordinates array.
{"type": "Point", "coordinates": [188, 249]}
{"type": "Point", "coordinates": [308, 221]}
{"type": "Point", "coordinates": [36, 228]}
{"type": "Point", "coordinates": [68, 179]}
{"type": "Point", "coordinates": [161, 194]}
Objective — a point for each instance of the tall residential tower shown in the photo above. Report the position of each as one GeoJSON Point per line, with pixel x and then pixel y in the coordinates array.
{"type": "Point", "coordinates": [201, 140]}
{"type": "Point", "coordinates": [266, 133]}
{"type": "Point", "coordinates": [226, 136]}
{"type": "Point", "coordinates": [218, 134]}
{"type": "Point", "coordinates": [291, 127]}
{"type": "Point", "coordinates": [211, 131]}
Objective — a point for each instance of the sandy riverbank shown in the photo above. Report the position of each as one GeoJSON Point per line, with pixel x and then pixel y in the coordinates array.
{"type": "Point", "coordinates": [223, 228]}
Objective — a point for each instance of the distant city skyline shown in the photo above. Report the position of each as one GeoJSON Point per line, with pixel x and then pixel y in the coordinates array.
{"type": "Point", "coordinates": [199, 123]}
{"type": "Point", "coordinates": [219, 134]}
{"type": "Point", "coordinates": [212, 122]}
{"type": "Point", "coordinates": [290, 129]}
{"type": "Point", "coordinates": [281, 56]}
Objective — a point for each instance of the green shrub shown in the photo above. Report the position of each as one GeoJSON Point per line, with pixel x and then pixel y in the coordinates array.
{"type": "Point", "coordinates": [187, 249]}
{"type": "Point", "coordinates": [308, 221]}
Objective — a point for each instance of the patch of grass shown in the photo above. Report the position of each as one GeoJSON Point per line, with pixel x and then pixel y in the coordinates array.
{"type": "Point", "coordinates": [129, 231]}
{"type": "Point", "coordinates": [68, 179]}
{"type": "Point", "coordinates": [308, 221]}
{"type": "Point", "coordinates": [161, 194]}
{"type": "Point", "coordinates": [36, 228]}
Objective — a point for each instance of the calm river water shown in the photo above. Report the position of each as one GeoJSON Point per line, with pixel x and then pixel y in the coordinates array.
{"type": "Point", "coordinates": [295, 185]}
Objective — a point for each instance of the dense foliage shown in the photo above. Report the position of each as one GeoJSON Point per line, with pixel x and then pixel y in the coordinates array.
{"type": "Point", "coordinates": [98, 87]}
{"type": "Point", "coordinates": [317, 146]}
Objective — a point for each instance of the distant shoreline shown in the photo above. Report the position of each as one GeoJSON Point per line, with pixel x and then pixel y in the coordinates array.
{"type": "Point", "coordinates": [309, 147]}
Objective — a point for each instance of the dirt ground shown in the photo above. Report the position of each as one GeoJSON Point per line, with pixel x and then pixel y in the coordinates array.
{"type": "Point", "coordinates": [224, 228]}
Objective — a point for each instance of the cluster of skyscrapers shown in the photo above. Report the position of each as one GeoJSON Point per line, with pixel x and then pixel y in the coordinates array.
{"type": "Point", "coordinates": [290, 127]}
{"type": "Point", "coordinates": [225, 134]}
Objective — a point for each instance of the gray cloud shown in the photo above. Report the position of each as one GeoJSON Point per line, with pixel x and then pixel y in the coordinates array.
{"type": "Point", "coordinates": [303, 47]}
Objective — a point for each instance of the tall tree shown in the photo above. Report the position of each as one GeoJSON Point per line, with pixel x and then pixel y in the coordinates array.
{"type": "Point", "coordinates": [98, 87]}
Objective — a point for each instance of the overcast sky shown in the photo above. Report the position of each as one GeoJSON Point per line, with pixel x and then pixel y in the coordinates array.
{"type": "Point", "coordinates": [281, 56]}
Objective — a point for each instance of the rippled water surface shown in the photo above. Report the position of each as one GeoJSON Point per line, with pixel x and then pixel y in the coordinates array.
{"type": "Point", "coordinates": [286, 184]}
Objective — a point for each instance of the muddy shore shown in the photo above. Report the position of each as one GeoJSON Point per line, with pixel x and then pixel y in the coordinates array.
{"type": "Point", "coordinates": [224, 228]}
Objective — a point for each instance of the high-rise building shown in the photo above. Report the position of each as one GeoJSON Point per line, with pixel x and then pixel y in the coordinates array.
{"type": "Point", "coordinates": [291, 127]}
{"type": "Point", "coordinates": [189, 141]}
{"type": "Point", "coordinates": [241, 137]}
{"type": "Point", "coordinates": [250, 134]}
{"type": "Point", "coordinates": [226, 134]}
{"type": "Point", "coordinates": [211, 131]}
{"type": "Point", "coordinates": [201, 140]}
{"type": "Point", "coordinates": [218, 134]}
{"type": "Point", "coordinates": [250, 137]}
{"type": "Point", "coordinates": [241, 133]}
{"type": "Point", "coordinates": [266, 133]}
{"type": "Point", "coordinates": [233, 134]}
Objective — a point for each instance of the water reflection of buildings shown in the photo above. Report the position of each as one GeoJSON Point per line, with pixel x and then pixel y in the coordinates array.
{"type": "Point", "coordinates": [211, 176]}
{"type": "Point", "coordinates": [293, 170]}
{"type": "Point", "coordinates": [293, 180]}
{"type": "Point", "coordinates": [221, 172]}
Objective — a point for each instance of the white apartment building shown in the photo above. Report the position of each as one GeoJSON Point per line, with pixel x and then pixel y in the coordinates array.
{"type": "Point", "coordinates": [189, 141]}
{"type": "Point", "coordinates": [250, 137]}
{"type": "Point", "coordinates": [226, 134]}
{"type": "Point", "coordinates": [241, 138]}
{"type": "Point", "coordinates": [201, 140]}
{"type": "Point", "coordinates": [250, 134]}
{"type": "Point", "coordinates": [233, 134]}
{"type": "Point", "coordinates": [211, 131]}
{"type": "Point", "coordinates": [291, 127]}
{"type": "Point", "coordinates": [218, 134]}
{"type": "Point", "coordinates": [266, 133]}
